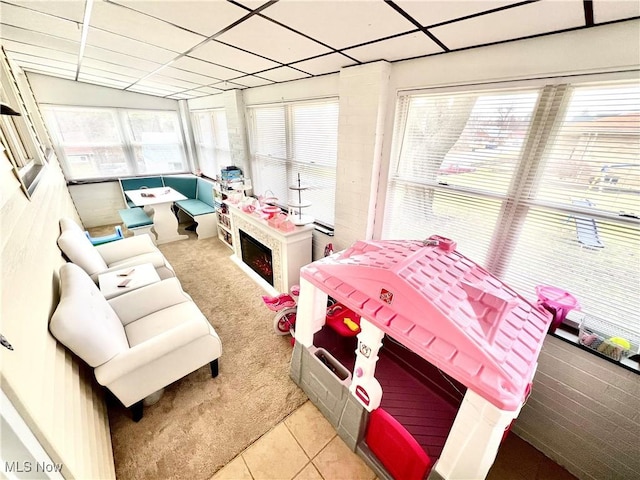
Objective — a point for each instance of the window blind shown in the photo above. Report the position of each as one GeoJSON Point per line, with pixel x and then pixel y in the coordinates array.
{"type": "Point", "coordinates": [540, 186]}
{"type": "Point", "coordinates": [212, 140]}
{"type": "Point", "coordinates": [297, 138]}
{"type": "Point", "coordinates": [97, 142]}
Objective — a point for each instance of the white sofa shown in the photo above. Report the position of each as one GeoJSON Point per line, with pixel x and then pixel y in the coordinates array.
{"type": "Point", "coordinates": [128, 252]}
{"type": "Point", "coordinates": [139, 342]}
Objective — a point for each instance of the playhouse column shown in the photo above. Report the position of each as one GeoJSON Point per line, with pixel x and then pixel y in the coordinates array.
{"type": "Point", "coordinates": [364, 385]}
{"type": "Point", "coordinates": [474, 439]}
{"type": "Point", "coordinates": [311, 313]}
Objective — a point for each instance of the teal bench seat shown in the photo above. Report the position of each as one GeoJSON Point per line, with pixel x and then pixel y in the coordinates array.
{"type": "Point", "coordinates": [195, 207]}
{"type": "Point", "coordinates": [136, 220]}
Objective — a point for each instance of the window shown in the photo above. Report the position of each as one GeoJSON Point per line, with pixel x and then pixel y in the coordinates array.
{"type": "Point", "coordinates": [96, 143]}
{"type": "Point", "coordinates": [541, 186]}
{"type": "Point", "coordinates": [212, 141]}
{"type": "Point", "coordinates": [297, 139]}
{"type": "Point", "coordinates": [19, 139]}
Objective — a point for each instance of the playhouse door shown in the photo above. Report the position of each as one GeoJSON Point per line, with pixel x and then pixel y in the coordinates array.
{"type": "Point", "coordinates": [396, 449]}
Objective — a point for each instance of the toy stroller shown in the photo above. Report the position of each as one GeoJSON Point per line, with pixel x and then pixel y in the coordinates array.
{"type": "Point", "coordinates": [285, 306]}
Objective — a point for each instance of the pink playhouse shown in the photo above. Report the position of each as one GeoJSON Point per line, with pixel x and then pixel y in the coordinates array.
{"type": "Point", "coordinates": [439, 364]}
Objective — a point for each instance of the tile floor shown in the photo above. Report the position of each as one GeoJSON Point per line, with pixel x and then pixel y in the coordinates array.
{"type": "Point", "coordinates": [305, 446]}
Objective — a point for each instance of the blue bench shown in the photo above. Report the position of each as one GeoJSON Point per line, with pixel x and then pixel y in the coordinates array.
{"type": "Point", "coordinates": [137, 221]}
{"type": "Point", "coordinates": [199, 205]}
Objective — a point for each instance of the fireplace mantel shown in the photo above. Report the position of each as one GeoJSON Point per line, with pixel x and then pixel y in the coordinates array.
{"type": "Point", "coordinates": [290, 250]}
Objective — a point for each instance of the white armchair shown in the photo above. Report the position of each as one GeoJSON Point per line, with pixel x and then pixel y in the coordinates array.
{"type": "Point", "coordinates": [128, 252]}
{"type": "Point", "coordinates": [139, 342]}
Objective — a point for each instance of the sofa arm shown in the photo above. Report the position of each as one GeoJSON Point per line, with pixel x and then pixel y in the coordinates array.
{"type": "Point", "coordinates": [146, 352]}
{"type": "Point", "coordinates": [147, 300]}
{"type": "Point", "coordinates": [126, 248]}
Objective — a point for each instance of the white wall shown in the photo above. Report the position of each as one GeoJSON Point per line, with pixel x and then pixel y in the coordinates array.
{"type": "Point", "coordinates": [51, 390]}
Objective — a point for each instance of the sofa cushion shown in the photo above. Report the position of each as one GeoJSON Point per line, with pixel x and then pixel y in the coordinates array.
{"type": "Point", "coordinates": [205, 191]}
{"type": "Point", "coordinates": [84, 321]}
{"type": "Point", "coordinates": [78, 248]}
{"type": "Point", "coordinates": [150, 326]}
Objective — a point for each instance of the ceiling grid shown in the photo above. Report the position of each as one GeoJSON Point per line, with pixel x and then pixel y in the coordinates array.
{"type": "Point", "coordinates": [191, 48]}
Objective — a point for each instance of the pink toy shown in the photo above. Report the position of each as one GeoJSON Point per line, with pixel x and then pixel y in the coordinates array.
{"type": "Point", "coordinates": [449, 310]}
{"type": "Point", "coordinates": [452, 318]}
{"type": "Point", "coordinates": [558, 302]}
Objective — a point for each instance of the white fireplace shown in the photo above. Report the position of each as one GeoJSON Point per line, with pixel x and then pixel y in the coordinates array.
{"type": "Point", "coordinates": [289, 250]}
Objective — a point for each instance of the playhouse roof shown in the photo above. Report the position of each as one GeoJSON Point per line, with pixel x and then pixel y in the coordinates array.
{"type": "Point", "coordinates": [445, 308]}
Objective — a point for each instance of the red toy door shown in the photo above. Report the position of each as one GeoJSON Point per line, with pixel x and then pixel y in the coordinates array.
{"type": "Point", "coordinates": [394, 446]}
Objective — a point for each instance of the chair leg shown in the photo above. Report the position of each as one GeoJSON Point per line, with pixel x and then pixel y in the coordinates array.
{"type": "Point", "coordinates": [136, 411]}
{"type": "Point", "coordinates": [214, 368]}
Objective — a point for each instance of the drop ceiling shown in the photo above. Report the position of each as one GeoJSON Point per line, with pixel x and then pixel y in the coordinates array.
{"type": "Point", "coordinates": [185, 49]}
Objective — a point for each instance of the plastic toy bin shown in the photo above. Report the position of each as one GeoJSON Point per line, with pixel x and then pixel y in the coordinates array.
{"type": "Point", "coordinates": [609, 340]}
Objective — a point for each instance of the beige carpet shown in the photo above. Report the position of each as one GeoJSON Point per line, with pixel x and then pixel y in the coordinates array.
{"type": "Point", "coordinates": [201, 423]}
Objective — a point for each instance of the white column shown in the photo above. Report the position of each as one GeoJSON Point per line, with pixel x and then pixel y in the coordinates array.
{"type": "Point", "coordinates": [474, 439]}
{"type": "Point", "coordinates": [311, 314]}
{"type": "Point", "coordinates": [364, 385]}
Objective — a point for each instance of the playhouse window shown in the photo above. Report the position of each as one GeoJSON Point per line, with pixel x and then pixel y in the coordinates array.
{"type": "Point", "coordinates": [540, 186]}
{"type": "Point", "coordinates": [296, 138]}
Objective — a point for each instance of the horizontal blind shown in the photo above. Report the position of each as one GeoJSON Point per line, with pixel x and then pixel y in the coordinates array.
{"type": "Point", "coordinates": [538, 189]}
{"type": "Point", "coordinates": [269, 151]}
{"type": "Point", "coordinates": [156, 140]}
{"type": "Point", "coordinates": [212, 140]}
{"type": "Point", "coordinates": [297, 139]}
{"type": "Point", "coordinates": [469, 140]}
{"type": "Point", "coordinates": [89, 142]}
{"type": "Point", "coordinates": [314, 154]}
{"type": "Point", "coordinates": [579, 228]}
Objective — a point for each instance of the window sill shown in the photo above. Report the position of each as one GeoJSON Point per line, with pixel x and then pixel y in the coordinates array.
{"type": "Point", "coordinates": [570, 335]}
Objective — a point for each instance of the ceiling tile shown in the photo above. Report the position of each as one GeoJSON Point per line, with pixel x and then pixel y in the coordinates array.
{"type": "Point", "coordinates": [38, 51]}
{"type": "Point", "coordinates": [141, 27]}
{"type": "Point", "coordinates": [325, 64]}
{"type": "Point", "coordinates": [148, 83]}
{"type": "Point", "coordinates": [98, 53]}
{"type": "Point", "coordinates": [32, 20]}
{"type": "Point", "coordinates": [437, 11]}
{"type": "Point", "coordinates": [283, 45]}
{"type": "Point", "coordinates": [609, 10]}
{"type": "Point", "coordinates": [252, 81]}
{"type": "Point", "coordinates": [283, 74]}
{"type": "Point", "coordinates": [73, 11]}
{"type": "Point", "coordinates": [41, 39]}
{"type": "Point", "coordinates": [227, 85]}
{"type": "Point", "coordinates": [100, 80]}
{"type": "Point", "coordinates": [407, 46]}
{"type": "Point", "coordinates": [105, 67]}
{"type": "Point", "coordinates": [48, 62]}
{"type": "Point", "coordinates": [56, 72]}
{"type": "Point", "coordinates": [205, 68]}
{"type": "Point", "coordinates": [222, 54]}
{"type": "Point", "coordinates": [99, 73]}
{"type": "Point", "coordinates": [205, 18]}
{"type": "Point", "coordinates": [340, 24]}
{"type": "Point", "coordinates": [118, 43]}
{"type": "Point", "coordinates": [173, 82]}
{"type": "Point", "coordinates": [207, 90]}
{"type": "Point", "coordinates": [161, 92]}
{"type": "Point", "coordinates": [523, 21]}
{"type": "Point", "coordinates": [188, 76]}
{"type": "Point", "coordinates": [183, 96]}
